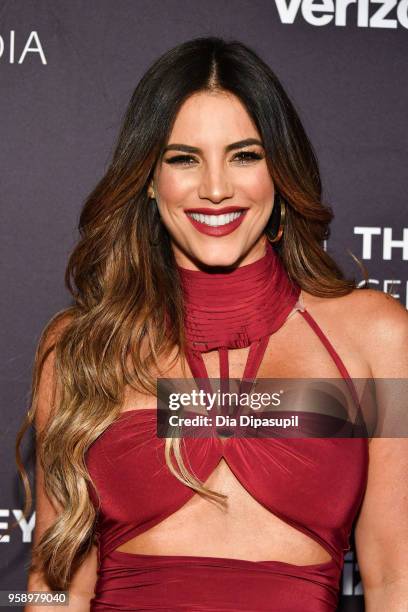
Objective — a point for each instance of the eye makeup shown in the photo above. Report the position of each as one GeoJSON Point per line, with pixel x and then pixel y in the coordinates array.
{"type": "Point", "coordinates": [242, 156]}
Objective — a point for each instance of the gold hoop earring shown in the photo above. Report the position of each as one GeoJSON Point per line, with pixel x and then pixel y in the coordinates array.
{"type": "Point", "coordinates": [278, 234]}
{"type": "Point", "coordinates": [154, 223]}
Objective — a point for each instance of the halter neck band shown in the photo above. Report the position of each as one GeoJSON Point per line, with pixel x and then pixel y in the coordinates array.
{"type": "Point", "coordinates": [235, 308]}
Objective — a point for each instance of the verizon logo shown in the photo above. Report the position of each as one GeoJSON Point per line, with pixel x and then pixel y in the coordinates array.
{"type": "Point", "coordinates": [365, 13]}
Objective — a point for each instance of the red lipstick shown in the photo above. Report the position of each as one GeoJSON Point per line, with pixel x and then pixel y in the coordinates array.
{"type": "Point", "coordinates": [216, 211]}
{"type": "Point", "coordinates": [217, 230]}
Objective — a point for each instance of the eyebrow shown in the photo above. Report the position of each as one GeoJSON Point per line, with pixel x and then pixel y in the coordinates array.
{"type": "Point", "coordinates": [235, 145]}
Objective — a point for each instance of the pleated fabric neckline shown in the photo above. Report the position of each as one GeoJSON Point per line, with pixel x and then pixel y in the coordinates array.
{"type": "Point", "coordinates": [233, 309]}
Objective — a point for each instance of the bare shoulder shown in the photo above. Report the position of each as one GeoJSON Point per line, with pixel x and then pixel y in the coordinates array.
{"type": "Point", "coordinates": [44, 381]}
{"type": "Point", "coordinates": [383, 307]}
{"type": "Point", "coordinates": [375, 321]}
{"type": "Point", "coordinates": [361, 305]}
{"type": "Point", "coordinates": [49, 337]}
{"type": "Point", "coordinates": [53, 330]}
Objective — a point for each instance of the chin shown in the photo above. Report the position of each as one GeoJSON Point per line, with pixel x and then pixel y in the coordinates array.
{"type": "Point", "coordinates": [219, 257]}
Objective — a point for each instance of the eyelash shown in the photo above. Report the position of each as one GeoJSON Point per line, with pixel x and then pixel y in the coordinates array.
{"type": "Point", "coordinates": [245, 155]}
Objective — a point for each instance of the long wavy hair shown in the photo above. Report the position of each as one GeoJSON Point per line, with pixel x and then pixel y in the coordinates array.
{"type": "Point", "coordinates": [123, 287]}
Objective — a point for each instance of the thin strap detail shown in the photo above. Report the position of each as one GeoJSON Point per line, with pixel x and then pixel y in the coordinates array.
{"type": "Point", "coordinates": [254, 359]}
{"type": "Point", "coordinates": [334, 355]}
{"type": "Point", "coordinates": [255, 356]}
{"type": "Point", "coordinates": [256, 353]}
{"type": "Point", "coordinates": [224, 369]}
{"type": "Point", "coordinates": [224, 366]}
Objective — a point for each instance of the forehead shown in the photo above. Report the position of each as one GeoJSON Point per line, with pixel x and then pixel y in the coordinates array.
{"type": "Point", "coordinates": [212, 117]}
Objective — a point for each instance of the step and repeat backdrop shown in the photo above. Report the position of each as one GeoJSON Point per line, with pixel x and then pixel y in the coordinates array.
{"type": "Point", "coordinates": [67, 70]}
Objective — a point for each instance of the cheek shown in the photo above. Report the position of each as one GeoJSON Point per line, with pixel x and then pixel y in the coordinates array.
{"type": "Point", "coordinates": [258, 186]}
{"type": "Point", "coordinates": [173, 187]}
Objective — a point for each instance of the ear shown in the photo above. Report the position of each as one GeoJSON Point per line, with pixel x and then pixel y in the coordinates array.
{"type": "Point", "coordinates": [150, 190]}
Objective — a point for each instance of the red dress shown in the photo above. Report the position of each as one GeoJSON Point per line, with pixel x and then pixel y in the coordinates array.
{"type": "Point", "coordinates": [315, 485]}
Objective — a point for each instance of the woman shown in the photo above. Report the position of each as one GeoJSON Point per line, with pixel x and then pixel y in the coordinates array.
{"type": "Point", "coordinates": [201, 255]}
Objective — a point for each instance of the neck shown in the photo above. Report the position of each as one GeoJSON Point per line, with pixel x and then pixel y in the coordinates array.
{"type": "Point", "coordinates": [232, 309]}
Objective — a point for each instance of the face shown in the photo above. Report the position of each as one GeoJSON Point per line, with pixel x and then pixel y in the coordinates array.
{"type": "Point", "coordinates": [212, 185]}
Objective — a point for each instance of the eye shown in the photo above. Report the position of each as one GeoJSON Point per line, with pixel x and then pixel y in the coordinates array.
{"type": "Point", "coordinates": [247, 156]}
{"type": "Point", "coordinates": [184, 160]}
{"type": "Point", "coordinates": [242, 157]}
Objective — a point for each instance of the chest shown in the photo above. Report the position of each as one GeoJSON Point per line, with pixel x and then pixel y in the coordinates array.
{"type": "Point", "coordinates": [294, 351]}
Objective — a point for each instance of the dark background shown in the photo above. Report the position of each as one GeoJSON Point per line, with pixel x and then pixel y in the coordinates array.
{"type": "Point", "coordinates": [64, 84]}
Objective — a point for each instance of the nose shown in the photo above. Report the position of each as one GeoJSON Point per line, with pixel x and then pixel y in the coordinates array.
{"type": "Point", "coordinates": [215, 184]}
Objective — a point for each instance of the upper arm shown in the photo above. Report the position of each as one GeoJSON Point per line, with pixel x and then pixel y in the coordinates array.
{"type": "Point", "coordinates": [47, 509]}
{"type": "Point", "coordinates": [47, 396]}
{"type": "Point", "coordinates": [381, 532]}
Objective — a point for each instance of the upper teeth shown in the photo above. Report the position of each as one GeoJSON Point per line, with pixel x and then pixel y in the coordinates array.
{"type": "Point", "coordinates": [215, 220]}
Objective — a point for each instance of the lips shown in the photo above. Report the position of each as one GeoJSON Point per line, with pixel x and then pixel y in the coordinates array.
{"type": "Point", "coordinates": [207, 221]}
{"type": "Point", "coordinates": [216, 211]}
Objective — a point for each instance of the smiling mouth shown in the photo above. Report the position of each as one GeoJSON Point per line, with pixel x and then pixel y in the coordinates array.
{"type": "Point", "coordinates": [216, 220]}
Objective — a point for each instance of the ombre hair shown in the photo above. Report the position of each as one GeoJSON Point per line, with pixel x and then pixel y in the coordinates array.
{"type": "Point", "coordinates": [123, 288]}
